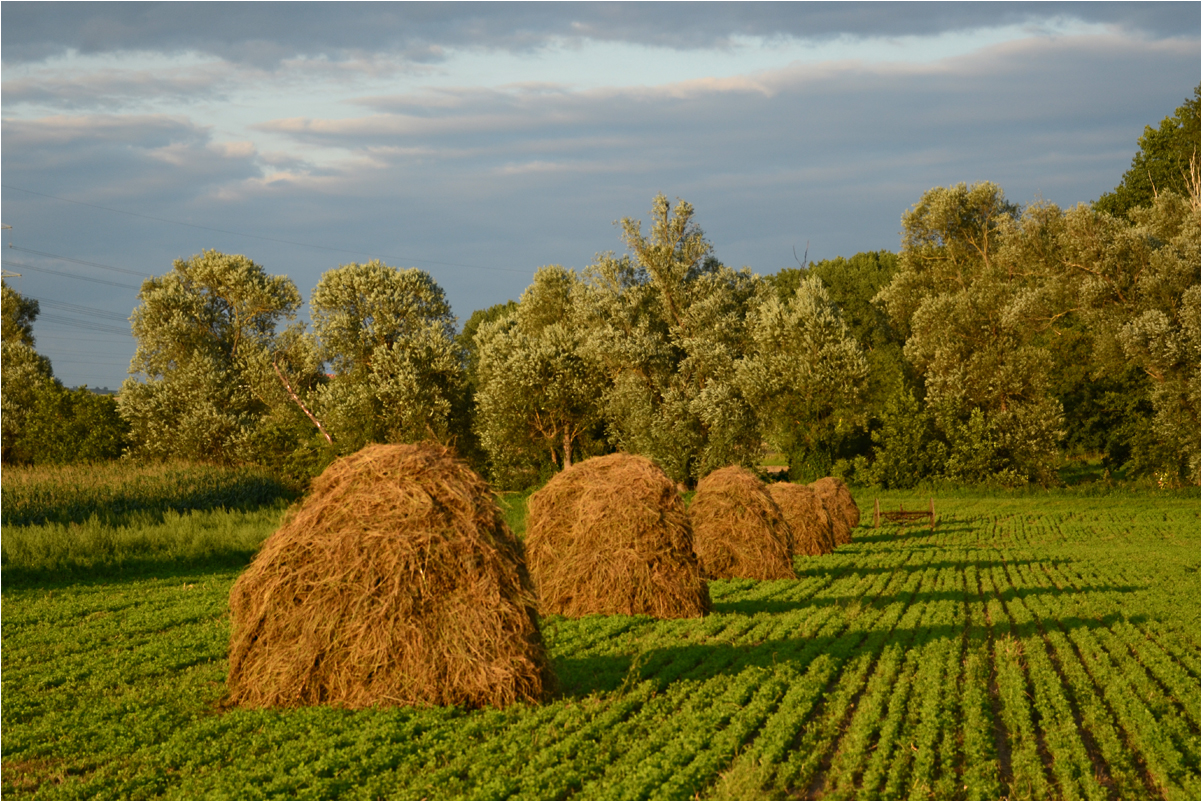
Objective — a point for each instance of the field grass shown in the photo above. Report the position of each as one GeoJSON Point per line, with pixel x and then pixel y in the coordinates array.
{"type": "Point", "coordinates": [1035, 645]}
{"type": "Point", "coordinates": [118, 493]}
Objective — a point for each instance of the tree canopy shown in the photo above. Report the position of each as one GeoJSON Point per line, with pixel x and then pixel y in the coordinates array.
{"type": "Point", "coordinates": [1167, 161]}
{"type": "Point", "coordinates": [44, 422]}
{"type": "Point", "coordinates": [539, 389]}
{"type": "Point", "coordinates": [19, 313]}
{"type": "Point", "coordinates": [389, 337]}
{"type": "Point", "coordinates": [205, 332]}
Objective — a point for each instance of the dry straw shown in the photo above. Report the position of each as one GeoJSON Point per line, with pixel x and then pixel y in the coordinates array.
{"type": "Point", "coordinates": [738, 530]}
{"type": "Point", "coordinates": [836, 497]}
{"type": "Point", "coordinates": [807, 518]}
{"type": "Point", "coordinates": [611, 535]}
{"type": "Point", "coordinates": [396, 582]}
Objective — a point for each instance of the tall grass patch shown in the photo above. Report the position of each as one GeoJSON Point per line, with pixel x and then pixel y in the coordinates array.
{"type": "Point", "coordinates": [123, 493]}
{"type": "Point", "coordinates": [144, 542]}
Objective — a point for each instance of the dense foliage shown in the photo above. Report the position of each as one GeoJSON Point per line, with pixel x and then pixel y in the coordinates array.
{"type": "Point", "coordinates": [388, 337]}
{"type": "Point", "coordinates": [1167, 160]}
{"type": "Point", "coordinates": [538, 392]}
{"type": "Point", "coordinates": [43, 421]}
{"type": "Point", "coordinates": [805, 377]}
{"type": "Point", "coordinates": [667, 353]}
{"type": "Point", "coordinates": [203, 332]}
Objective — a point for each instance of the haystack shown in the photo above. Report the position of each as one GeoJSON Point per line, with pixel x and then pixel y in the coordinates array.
{"type": "Point", "coordinates": [807, 518]}
{"type": "Point", "coordinates": [611, 535]}
{"type": "Point", "coordinates": [836, 497]}
{"type": "Point", "coordinates": [396, 582]}
{"type": "Point", "coordinates": [738, 530]}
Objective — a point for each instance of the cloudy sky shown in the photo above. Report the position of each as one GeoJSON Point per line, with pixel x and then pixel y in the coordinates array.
{"type": "Point", "coordinates": [481, 141]}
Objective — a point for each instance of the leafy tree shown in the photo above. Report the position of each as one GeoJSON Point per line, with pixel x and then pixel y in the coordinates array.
{"type": "Point", "coordinates": [290, 439]}
{"type": "Point", "coordinates": [539, 392]}
{"type": "Point", "coordinates": [468, 440]}
{"type": "Point", "coordinates": [961, 304]}
{"type": "Point", "coordinates": [19, 313]}
{"type": "Point", "coordinates": [25, 375]}
{"type": "Point", "coordinates": [1135, 284]}
{"type": "Point", "coordinates": [389, 336]}
{"type": "Point", "coordinates": [205, 331]}
{"type": "Point", "coordinates": [68, 426]}
{"type": "Point", "coordinates": [805, 376]}
{"type": "Point", "coordinates": [1106, 305]}
{"type": "Point", "coordinates": [43, 422]}
{"type": "Point", "coordinates": [947, 238]}
{"type": "Point", "coordinates": [467, 338]}
{"type": "Point", "coordinates": [853, 285]}
{"type": "Point", "coordinates": [668, 324]}
{"type": "Point", "coordinates": [907, 446]}
{"type": "Point", "coordinates": [1167, 161]}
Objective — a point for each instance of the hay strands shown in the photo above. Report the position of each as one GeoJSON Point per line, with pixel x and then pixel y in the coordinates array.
{"type": "Point", "coordinates": [902, 515]}
{"type": "Point", "coordinates": [611, 536]}
{"type": "Point", "coordinates": [394, 583]}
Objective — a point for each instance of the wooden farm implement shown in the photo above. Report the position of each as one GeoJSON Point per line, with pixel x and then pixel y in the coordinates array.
{"type": "Point", "coordinates": [902, 515]}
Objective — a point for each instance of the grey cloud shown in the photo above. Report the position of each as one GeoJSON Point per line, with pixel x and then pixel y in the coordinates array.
{"type": "Point", "coordinates": [834, 153]}
{"type": "Point", "coordinates": [111, 88]}
{"type": "Point", "coordinates": [138, 131]}
{"type": "Point", "coordinates": [267, 33]}
{"type": "Point", "coordinates": [104, 157]}
{"type": "Point", "coordinates": [1007, 87]}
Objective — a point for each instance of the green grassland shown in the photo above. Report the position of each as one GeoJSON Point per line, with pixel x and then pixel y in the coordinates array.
{"type": "Point", "coordinates": [1038, 644]}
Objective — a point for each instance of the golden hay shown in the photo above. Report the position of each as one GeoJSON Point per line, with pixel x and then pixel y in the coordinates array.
{"type": "Point", "coordinates": [738, 530]}
{"type": "Point", "coordinates": [611, 535]}
{"type": "Point", "coordinates": [396, 582]}
{"type": "Point", "coordinates": [807, 518]}
{"type": "Point", "coordinates": [836, 497]}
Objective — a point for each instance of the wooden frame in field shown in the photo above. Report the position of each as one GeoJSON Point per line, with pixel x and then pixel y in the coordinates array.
{"type": "Point", "coordinates": [902, 515]}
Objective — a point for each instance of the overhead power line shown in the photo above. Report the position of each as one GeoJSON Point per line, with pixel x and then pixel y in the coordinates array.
{"type": "Point", "coordinates": [63, 361]}
{"type": "Point", "coordinates": [268, 239]}
{"type": "Point", "coordinates": [24, 266]}
{"type": "Point", "coordinates": [139, 273]}
{"type": "Point", "coordinates": [83, 310]}
{"type": "Point", "coordinates": [84, 324]}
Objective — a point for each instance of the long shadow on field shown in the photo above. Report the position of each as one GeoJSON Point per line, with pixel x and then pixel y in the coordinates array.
{"type": "Point", "coordinates": [130, 570]}
{"type": "Point", "coordinates": [775, 606]}
{"type": "Point", "coordinates": [896, 534]}
{"type": "Point", "coordinates": [699, 662]}
{"type": "Point", "coordinates": [807, 567]}
{"type": "Point", "coordinates": [820, 601]}
{"type": "Point", "coordinates": [135, 504]}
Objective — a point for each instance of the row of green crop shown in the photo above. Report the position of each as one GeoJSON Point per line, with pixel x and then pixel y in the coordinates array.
{"type": "Point", "coordinates": [1005, 654]}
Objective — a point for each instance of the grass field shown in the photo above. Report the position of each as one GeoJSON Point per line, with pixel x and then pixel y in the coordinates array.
{"type": "Point", "coordinates": [1035, 645]}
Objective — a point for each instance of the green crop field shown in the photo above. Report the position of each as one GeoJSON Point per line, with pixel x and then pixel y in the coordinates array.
{"type": "Point", "coordinates": [1035, 645]}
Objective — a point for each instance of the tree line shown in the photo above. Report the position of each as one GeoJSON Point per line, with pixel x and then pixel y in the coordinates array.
{"type": "Point", "coordinates": [998, 339]}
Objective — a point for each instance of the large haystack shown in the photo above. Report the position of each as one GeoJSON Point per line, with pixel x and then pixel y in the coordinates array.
{"type": "Point", "coordinates": [836, 497]}
{"type": "Point", "coordinates": [738, 530]}
{"type": "Point", "coordinates": [807, 518]}
{"type": "Point", "coordinates": [396, 582]}
{"type": "Point", "coordinates": [611, 535]}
